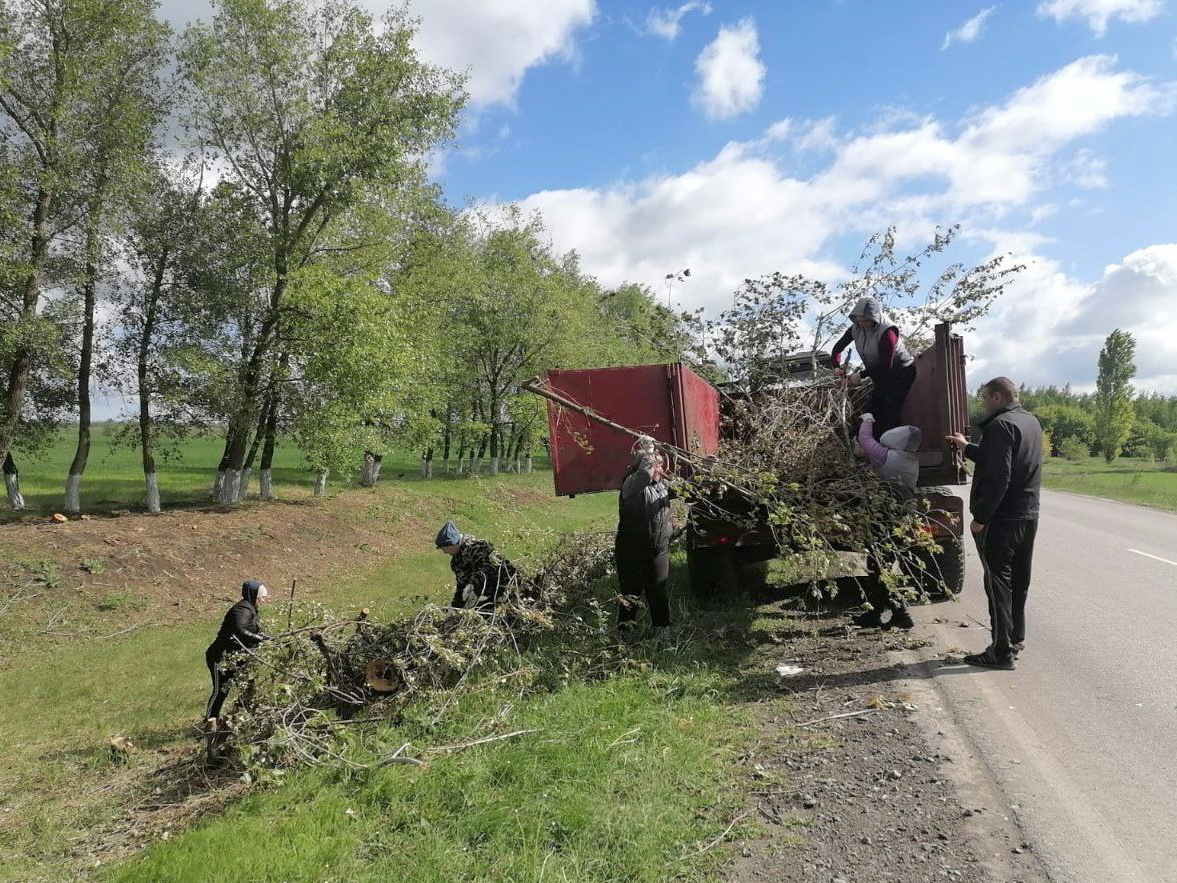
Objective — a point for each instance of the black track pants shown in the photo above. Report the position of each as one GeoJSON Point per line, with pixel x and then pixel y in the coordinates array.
{"type": "Point", "coordinates": [644, 572]}
{"type": "Point", "coordinates": [1007, 550]}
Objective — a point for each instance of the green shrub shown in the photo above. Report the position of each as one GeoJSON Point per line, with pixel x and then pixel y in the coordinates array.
{"type": "Point", "coordinates": [1074, 449]}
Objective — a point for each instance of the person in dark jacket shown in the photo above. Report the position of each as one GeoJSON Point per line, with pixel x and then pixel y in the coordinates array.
{"type": "Point", "coordinates": [885, 360]}
{"type": "Point", "coordinates": [642, 545]}
{"type": "Point", "coordinates": [1004, 504]}
{"type": "Point", "coordinates": [240, 629]}
{"type": "Point", "coordinates": [481, 574]}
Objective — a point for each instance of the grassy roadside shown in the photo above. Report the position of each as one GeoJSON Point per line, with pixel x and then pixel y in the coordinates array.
{"type": "Point", "coordinates": [113, 479]}
{"type": "Point", "coordinates": [1141, 482]}
{"type": "Point", "coordinates": [622, 781]}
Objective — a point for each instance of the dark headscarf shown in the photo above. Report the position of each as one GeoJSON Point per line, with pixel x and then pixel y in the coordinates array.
{"type": "Point", "coordinates": [249, 590]}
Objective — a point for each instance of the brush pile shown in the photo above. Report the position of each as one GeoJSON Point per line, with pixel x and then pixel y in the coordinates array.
{"type": "Point", "coordinates": [307, 683]}
{"type": "Point", "coordinates": [792, 464]}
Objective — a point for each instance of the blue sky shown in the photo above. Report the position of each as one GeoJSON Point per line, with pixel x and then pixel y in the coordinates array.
{"type": "Point", "coordinates": [739, 138]}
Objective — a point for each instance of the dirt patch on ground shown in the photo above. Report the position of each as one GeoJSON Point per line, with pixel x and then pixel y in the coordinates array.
{"type": "Point", "coordinates": [851, 782]}
{"type": "Point", "coordinates": [183, 565]}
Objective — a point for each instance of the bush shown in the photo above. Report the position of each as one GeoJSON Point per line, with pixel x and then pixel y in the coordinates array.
{"type": "Point", "coordinates": [1074, 449]}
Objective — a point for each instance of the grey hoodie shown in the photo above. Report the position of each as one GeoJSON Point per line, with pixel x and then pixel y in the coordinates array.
{"type": "Point", "coordinates": [867, 342]}
{"type": "Point", "coordinates": [895, 454]}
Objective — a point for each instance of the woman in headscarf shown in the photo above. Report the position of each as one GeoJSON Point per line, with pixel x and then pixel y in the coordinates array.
{"type": "Point", "coordinates": [885, 360]}
{"type": "Point", "coordinates": [239, 630]}
{"type": "Point", "coordinates": [642, 547]}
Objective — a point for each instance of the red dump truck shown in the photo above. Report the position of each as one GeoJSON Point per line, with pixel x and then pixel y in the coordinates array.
{"type": "Point", "coordinates": [676, 406]}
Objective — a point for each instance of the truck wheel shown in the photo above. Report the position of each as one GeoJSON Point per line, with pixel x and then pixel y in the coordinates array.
{"type": "Point", "coordinates": [754, 577]}
{"type": "Point", "coordinates": [713, 573]}
{"type": "Point", "coordinates": [698, 573]}
{"type": "Point", "coordinates": [943, 570]}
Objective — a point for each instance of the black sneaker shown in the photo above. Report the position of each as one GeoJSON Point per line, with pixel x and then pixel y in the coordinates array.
{"type": "Point", "coordinates": [871, 619]}
{"type": "Point", "coordinates": [989, 660]}
{"type": "Point", "coordinates": [1017, 648]}
{"type": "Point", "coordinates": [901, 619]}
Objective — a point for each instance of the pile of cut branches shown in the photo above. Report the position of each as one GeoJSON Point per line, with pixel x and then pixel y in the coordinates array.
{"type": "Point", "coordinates": [792, 464]}
{"type": "Point", "coordinates": [307, 683]}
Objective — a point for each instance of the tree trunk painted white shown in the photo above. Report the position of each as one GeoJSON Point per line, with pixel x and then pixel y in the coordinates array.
{"type": "Point", "coordinates": [427, 469]}
{"type": "Point", "coordinates": [368, 473]}
{"type": "Point", "coordinates": [494, 465]}
{"type": "Point", "coordinates": [243, 485]}
{"type": "Point", "coordinates": [16, 500]}
{"type": "Point", "coordinates": [267, 485]}
{"type": "Point", "coordinates": [445, 464]}
{"type": "Point", "coordinates": [476, 466]}
{"type": "Point", "coordinates": [528, 464]}
{"type": "Point", "coordinates": [73, 494]}
{"type": "Point", "coordinates": [376, 464]}
{"type": "Point", "coordinates": [321, 482]}
{"type": "Point", "coordinates": [219, 485]}
{"type": "Point", "coordinates": [517, 466]}
{"type": "Point", "coordinates": [230, 486]}
{"type": "Point", "coordinates": [152, 493]}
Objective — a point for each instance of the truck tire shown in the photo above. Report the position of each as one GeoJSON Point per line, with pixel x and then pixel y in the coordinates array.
{"type": "Point", "coordinates": [713, 573]}
{"type": "Point", "coordinates": [943, 570]}
{"type": "Point", "coordinates": [753, 577]}
{"type": "Point", "coordinates": [698, 573]}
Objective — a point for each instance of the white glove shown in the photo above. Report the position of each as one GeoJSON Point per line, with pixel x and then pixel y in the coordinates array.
{"type": "Point", "coordinates": [868, 418]}
{"type": "Point", "coordinates": [468, 594]}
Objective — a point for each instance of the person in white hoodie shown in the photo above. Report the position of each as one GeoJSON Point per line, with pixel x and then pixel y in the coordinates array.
{"type": "Point", "coordinates": [895, 457]}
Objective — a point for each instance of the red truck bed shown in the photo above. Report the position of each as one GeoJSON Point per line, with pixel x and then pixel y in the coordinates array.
{"type": "Point", "coordinates": [669, 402]}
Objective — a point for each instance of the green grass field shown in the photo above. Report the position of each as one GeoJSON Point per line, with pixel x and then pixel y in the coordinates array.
{"type": "Point", "coordinates": [114, 475]}
{"type": "Point", "coordinates": [623, 780]}
{"type": "Point", "coordinates": [1142, 482]}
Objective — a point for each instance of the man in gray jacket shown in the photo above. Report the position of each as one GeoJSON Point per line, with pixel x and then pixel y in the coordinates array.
{"type": "Point", "coordinates": [642, 546]}
{"type": "Point", "coordinates": [1004, 504]}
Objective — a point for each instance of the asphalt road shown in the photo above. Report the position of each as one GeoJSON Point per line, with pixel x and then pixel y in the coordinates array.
{"type": "Point", "coordinates": [1082, 738]}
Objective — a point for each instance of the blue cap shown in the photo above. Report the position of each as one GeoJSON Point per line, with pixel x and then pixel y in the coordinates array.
{"type": "Point", "coordinates": [448, 535]}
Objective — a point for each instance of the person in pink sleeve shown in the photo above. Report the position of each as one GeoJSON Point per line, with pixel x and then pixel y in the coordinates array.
{"type": "Point", "coordinates": [894, 455]}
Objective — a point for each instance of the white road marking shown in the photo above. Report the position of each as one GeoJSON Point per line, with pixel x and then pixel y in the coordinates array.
{"type": "Point", "coordinates": [1153, 557]}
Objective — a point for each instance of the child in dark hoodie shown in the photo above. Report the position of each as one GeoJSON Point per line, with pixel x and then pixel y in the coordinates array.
{"type": "Point", "coordinates": [239, 629]}
{"type": "Point", "coordinates": [895, 457]}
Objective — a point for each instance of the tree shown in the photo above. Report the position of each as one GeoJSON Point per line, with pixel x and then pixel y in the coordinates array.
{"type": "Point", "coordinates": [1114, 413]}
{"type": "Point", "coordinates": [312, 113]}
{"type": "Point", "coordinates": [53, 53]}
{"type": "Point", "coordinates": [1150, 440]}
{"type": "Point", "coordinates": [1063, 422]}
{"type": "Point", "coordinates": [160, 226]}
{"type": "Point", "coordinates": [126, 106]}
{"type": "Point", "coordinates": [776, 316]}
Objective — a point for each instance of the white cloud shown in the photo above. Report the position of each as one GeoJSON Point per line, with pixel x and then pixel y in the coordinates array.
{"type": "Point", "coordinates": [1099, 13]}
{"type": "Point", "coordinates": [1049, 328]}
{"type": "Point", "coordinates": [970, 30]}
{"type": "Point", "coordinates": [749, 211]}
{"type": "Point", "coordinates": [731, 75]}
{"type": "Point", "coordinates": [497, 42]}
{"type": "Point", "coordinates": [667, 23]}
{"type": "Point", "coordinates": [1085, 170]}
